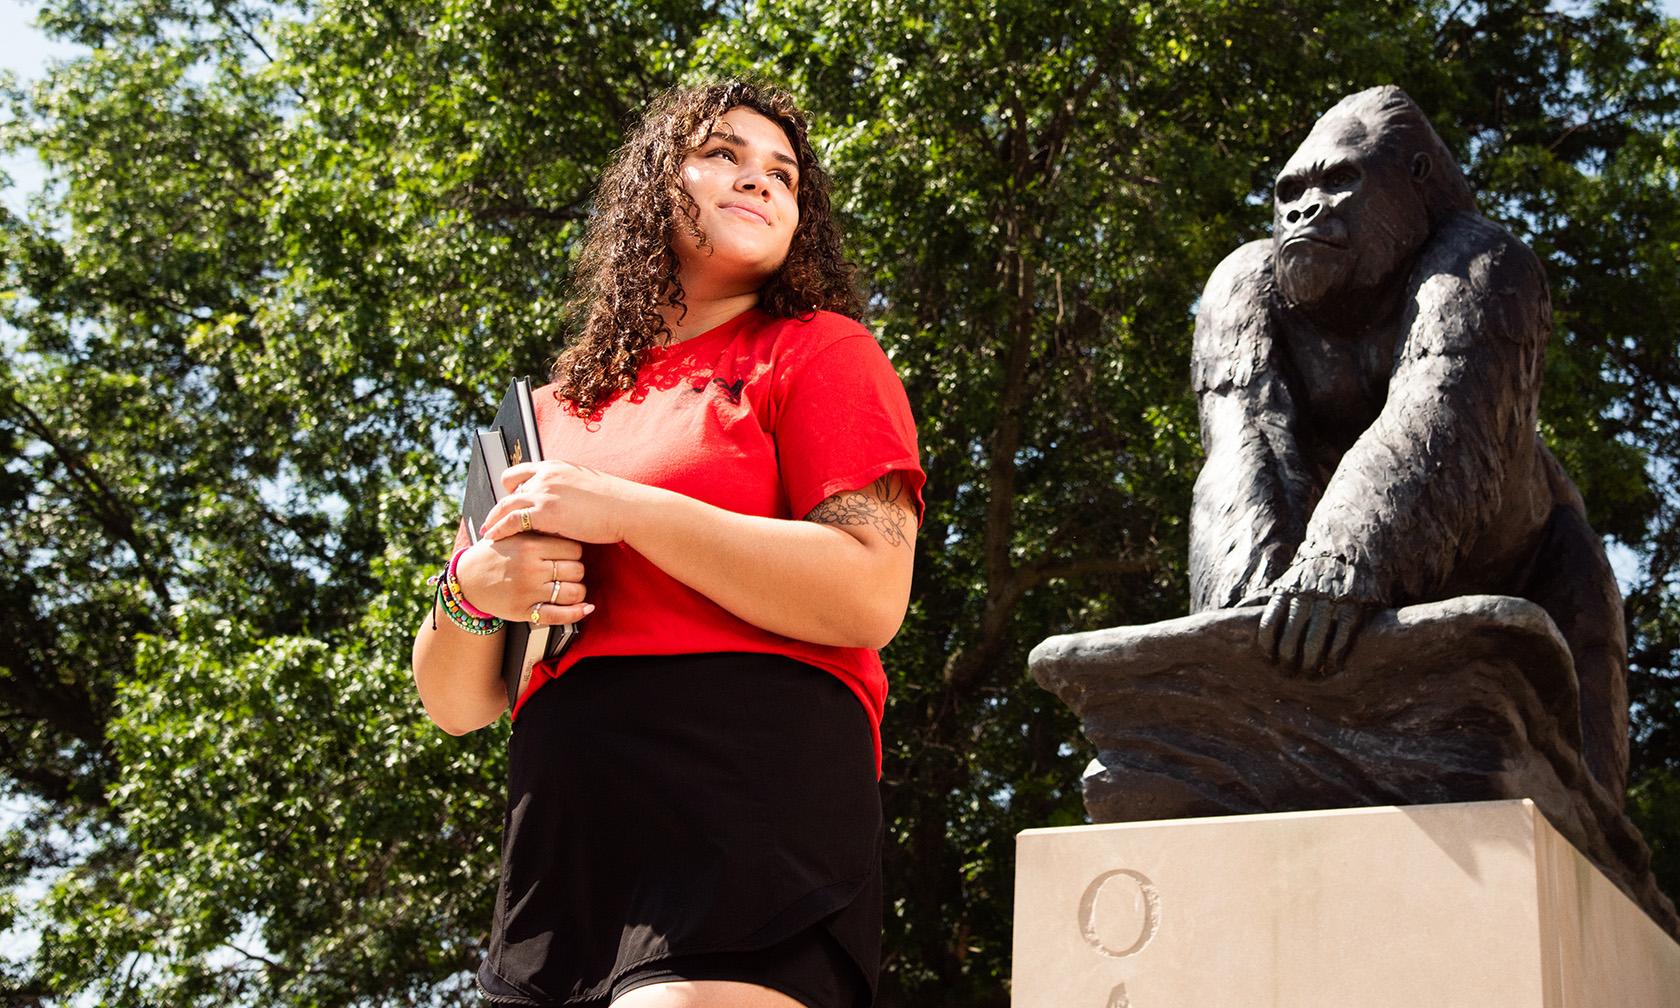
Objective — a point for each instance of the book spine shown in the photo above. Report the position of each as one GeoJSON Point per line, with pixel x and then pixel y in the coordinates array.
{"type": "Point", "coordinates": [528, 418]}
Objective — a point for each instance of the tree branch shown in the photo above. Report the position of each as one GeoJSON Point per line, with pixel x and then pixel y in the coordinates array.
{"type": "Point", "coordinates": [116, 516]}
{"type": "Point", "coordinates": [272, 965]}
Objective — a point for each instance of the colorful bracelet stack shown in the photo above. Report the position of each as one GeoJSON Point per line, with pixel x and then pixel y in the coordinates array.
{"type": "Point", "coordinates": [455, 605]}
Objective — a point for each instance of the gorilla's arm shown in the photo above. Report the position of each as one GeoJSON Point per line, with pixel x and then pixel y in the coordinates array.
{"type": "Point", "coordinates": [1425, 480]}
{"type": "Point", "coordinates": [1251, 499]}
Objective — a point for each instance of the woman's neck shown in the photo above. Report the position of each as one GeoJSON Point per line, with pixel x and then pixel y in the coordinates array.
{"type": "Point", "coordinates": [705, 313]}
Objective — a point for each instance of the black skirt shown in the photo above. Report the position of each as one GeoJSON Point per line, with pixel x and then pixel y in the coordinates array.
{"type": "Point", "coordinates": [662, 808]}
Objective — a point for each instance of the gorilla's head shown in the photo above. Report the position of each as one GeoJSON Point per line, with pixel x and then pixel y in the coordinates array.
{"type": "Point", "coordinates": [1363, 193]}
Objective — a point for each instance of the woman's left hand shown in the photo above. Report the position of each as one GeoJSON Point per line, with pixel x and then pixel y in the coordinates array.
{"type": "Point", "coordinates": [558, 498]}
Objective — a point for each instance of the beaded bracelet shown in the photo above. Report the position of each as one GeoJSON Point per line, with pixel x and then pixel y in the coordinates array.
{"type": "Point", "coordinates": [482, 626]}
{"type": "Point", "coordinates": [455, 587]}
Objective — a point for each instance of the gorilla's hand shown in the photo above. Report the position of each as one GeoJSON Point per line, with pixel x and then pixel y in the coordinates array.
{"type": "Point", "coordinates": [1312, 615]}
{"type": "Point", "coordinates": [1309, 634]}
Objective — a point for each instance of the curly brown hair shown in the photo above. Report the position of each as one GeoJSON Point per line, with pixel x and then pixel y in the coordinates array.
{"type": "Point", "coordinates": [627, 269]}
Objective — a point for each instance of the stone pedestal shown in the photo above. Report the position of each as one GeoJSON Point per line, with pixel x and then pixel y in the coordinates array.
{"type": "Point", "coordinates": [1472, 905]}
{"type": "Point", "coordinates": [1470, 699]}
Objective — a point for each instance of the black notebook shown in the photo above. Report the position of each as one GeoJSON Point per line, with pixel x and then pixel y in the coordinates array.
{"type": "Point", "coordinates": [511, 439]}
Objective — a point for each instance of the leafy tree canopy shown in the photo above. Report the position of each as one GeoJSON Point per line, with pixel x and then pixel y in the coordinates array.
{"type": "Point", "coordinates": [289, 252]}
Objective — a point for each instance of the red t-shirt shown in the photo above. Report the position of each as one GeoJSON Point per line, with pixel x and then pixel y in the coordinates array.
{"type": "Point", "coordinates": [760, 416]}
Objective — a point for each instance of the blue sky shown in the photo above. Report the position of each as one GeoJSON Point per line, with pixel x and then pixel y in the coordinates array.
{"type": "Point", "coordinates": [25, 52]}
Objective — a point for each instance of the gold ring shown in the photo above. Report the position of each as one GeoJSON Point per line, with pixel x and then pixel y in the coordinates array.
{"type": "Point", "coordinates": [525, 525]}
{"type": "Point", "coordinates": [554, 568]}
{"type": "Point", "coordinates": [536, 614]}
{"type": "Point", "coordinates": [554, 596]}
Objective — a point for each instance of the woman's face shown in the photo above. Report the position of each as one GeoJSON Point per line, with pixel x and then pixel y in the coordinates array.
{"type": "Point", "coordinates": [744, 181]}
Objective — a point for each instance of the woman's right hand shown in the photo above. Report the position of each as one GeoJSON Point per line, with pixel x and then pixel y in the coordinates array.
{"type": "Point", "coordinates": [507, 577]}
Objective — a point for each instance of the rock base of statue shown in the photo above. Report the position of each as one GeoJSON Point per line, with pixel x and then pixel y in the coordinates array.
{"type": "Point", "coordinates": [1470, 699]}
{"type": "Point", "coordinates": [1480, 904]}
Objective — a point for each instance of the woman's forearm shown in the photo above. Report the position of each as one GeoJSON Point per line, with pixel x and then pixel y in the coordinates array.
{"type": "Point", "coordinates": [816, 582]}
{"type": "Point", "coordinates": [841, 578]}
{"type": "Point", "coordinates": [458, 674]}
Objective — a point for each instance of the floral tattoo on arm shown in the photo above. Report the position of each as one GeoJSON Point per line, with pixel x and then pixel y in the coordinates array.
{"type": "Point", "coordinates": [878, 505]}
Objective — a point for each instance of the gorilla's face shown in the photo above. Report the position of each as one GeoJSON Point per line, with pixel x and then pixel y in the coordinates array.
{"type": "Point", "coordinates": [1346, 214]}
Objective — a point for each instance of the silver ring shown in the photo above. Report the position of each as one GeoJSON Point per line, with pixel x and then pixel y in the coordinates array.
{"type": "Point", "coordinates": [554, 596]}
{"type": "Point", "coordinates": [536, 615]}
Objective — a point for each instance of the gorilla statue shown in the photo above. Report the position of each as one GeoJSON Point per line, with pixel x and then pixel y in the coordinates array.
{"type": "Point", "coordinates": [1368, 383]}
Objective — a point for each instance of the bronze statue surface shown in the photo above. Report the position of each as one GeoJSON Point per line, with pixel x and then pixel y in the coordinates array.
{"type": "Point", "coordinates": [1368, 382]}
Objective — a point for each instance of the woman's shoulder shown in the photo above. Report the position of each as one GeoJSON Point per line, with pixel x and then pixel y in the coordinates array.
{"type": "Point", "coordinates": [812, 323]}
{"type": "Point", "coordinates": [808, 334]}
{"type": "Point", "coordinates": [545, 400]}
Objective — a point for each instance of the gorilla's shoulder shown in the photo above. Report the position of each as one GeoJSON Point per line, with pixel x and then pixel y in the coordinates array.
{"type": "Point", "coordinates": [1475, 280]}
{"type": "Point", "coordinates": [1233, 320]}
{"type": "Point", "coordinates": [1471, 248]}
{"type": "Point", "coordinates": [1247, 268]}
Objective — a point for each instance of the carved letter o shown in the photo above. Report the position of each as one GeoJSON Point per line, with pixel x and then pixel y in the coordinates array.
{"type": "Point", "coordinates": [1120, 912]}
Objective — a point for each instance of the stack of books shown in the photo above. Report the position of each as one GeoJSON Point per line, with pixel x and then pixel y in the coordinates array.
{"type": "Point", "coordinates": [510, 440]}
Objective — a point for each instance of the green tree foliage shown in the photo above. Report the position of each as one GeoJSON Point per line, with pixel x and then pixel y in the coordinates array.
{"type": "Point", "coordinates": [289, 253]}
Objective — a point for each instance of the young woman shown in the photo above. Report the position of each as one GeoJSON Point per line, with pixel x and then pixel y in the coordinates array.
{"type": "Point", "coordinates": [729, 511]}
